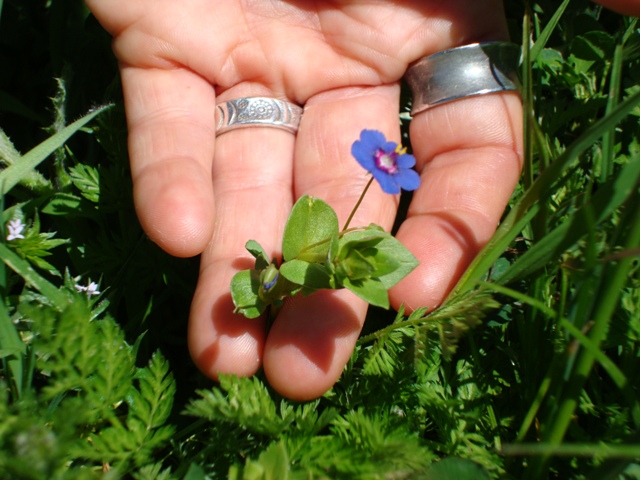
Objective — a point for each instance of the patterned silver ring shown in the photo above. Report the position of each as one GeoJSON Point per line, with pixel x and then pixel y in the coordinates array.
{"type": "Point", "coordinates": [257, 112]}
{"type": "Point", "coordinates": [476, 69]}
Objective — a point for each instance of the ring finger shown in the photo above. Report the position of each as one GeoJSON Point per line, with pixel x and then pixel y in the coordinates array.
{"type": "Point", "coordinates": [251, 178]}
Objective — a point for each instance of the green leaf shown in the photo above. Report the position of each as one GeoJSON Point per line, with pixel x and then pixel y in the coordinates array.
{"type": "Point", "coordinates": [63, 204]}
{"type": "Point", "coordinates": [30, 160]}
{"type": "Point", "coordinates": [11, 345]}
{"type": "Point", "coordinates": [593, 46]}
{"type": "Point", "coordinates": [308, 274]}
{"type": "Point", "coordinates": [544, 36]}
{"type": "Point", "coordinates": [368, 237]}
{"type": "Point", "coordinates": [245, 288]}
{"type": "Point", "coordinates": [452, 468]}
{"type": "Point", "coordinates": [309, 230]}
{"type": "Point", "coordinates": [395, 250]}
{"type": "Point", "coordinates": [255, 249]}
{"type": "Point", "coordinates": [7, 352]}
{"type": "Point", "coordinates": [392, 260]}
{"type": "Point", "coordinates": [22, 268]}
{"type": "Point", "coordinates": [86, 179]}
{"type": "Point", "coordinates": [149, 407]}
{"type": "Point", "coordinates": [371, 290]}
{"type": "Point", "coordinates": [384, 263]}
{"type": "Point", "coordinates": [9, 155]}
{"type": "Point", "coordinates": [195, 472]}
{"type": "Point", "coordinates": [154, 471]}
{"type": "Point", "coordinates": [356, 266]}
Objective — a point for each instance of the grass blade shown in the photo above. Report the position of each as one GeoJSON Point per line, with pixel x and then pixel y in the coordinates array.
{"type": "Point", "coordinates": [529, 203]}
{"type": "Point", "coordinates": [544, 36]}
{"type": "Point", "coordinates": [608, 140]}
{"type": "Point", "coordinates": [10, 176]}
{"type": "Point", "coordinates": [606, 200]}
{"type": "Point", "coordinates": [615, 278]}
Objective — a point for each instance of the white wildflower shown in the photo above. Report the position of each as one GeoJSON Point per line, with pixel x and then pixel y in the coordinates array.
{"type": "Point", "coordinates": [90, 289]}
{"type": "Point", "coordinates": [15, 228]}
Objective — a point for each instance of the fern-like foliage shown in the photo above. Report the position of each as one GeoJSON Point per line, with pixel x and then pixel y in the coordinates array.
{"type": "Point", "coordinates": [95, 407]}
{"type": "Point", "coordinates": [87, 180]}
{"type": "Point", "coordinates": [382, 356]}
{"type": "Point", "coordinates": [149, 400]}
{"type": "Point", "coordinates": [459, 315]}
{"type": "Point", "coordinates": [154, 471]}
{"type": "Point", "coordinates": [242, 401]}
{"type": "Point", "coordinates": [451, 322]}
{"type": "Point", "coordinates": [311, 440]}
{"type": "Point", "coordinates": [356, 446]}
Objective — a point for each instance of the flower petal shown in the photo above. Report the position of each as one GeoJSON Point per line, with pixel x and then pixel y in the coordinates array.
{"type": "Point", "coordinates": [407, 179]}
{"type": "Point", "coordinates": [374, 138]}
{"type": "Point", "coordinates": [390, 147]}
{"type": "Point", "coordinates": [387, 182]}
{"type": "Point", "coordinates": [405, 161]}
{"type": "Point", "coordinates": [364, 155]}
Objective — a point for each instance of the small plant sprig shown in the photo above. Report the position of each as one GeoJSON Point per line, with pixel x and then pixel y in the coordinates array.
{"type": "Point", "coordinates": [318, 255]}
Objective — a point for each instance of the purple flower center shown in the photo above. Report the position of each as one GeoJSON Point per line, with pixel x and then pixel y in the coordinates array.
{"type": "Point", "coordinates": [386, 161]}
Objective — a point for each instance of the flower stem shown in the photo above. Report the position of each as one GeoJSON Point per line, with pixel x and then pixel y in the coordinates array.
{"type": "Point", "coordinates": [353, 212]}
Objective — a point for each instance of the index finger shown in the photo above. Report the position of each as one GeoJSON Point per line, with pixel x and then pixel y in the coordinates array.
{"type": "Point", "coordinates": [170, 115]}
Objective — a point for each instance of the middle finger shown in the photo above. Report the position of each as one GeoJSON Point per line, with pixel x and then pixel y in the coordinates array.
{"type": "Point", "coordinates": [313, 337]}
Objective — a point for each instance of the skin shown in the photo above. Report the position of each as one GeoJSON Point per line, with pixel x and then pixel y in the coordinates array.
{"type": "Point", "coordinates": [626, 7]}
{"type": "Point", "coordinates": [343, 60]}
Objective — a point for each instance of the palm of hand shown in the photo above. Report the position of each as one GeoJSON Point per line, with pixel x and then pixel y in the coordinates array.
{"type": "Point", "coordinates": [294, 48]}
{"type": "Point", "coordinates": [343, 60]}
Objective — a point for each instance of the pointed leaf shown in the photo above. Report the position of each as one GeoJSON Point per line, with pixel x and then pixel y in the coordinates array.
{"type": "Point", "coordinates": [389, 251]}
{"type": "Point", "coordinates": [356, 266]}
{"type": "Point", "coordinates": [371, 290]}
{"type": "Point", "coordinates": [31, 277]}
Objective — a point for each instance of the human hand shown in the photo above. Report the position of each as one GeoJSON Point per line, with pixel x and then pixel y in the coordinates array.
{"type": "Point", "coordinates": [343, 61]}
{"type": "Point", "coordinates": [626, 7]}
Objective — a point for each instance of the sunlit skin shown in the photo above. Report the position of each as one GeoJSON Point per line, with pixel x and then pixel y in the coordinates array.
{"type": "Point", "coordinates": [343, 60]}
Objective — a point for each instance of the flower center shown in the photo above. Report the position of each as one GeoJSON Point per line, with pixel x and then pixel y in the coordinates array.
{"type": "Point", "coordinates": [386, 161]}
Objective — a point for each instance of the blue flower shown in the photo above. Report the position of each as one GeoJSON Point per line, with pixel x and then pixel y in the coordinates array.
{"type": "Point", "coordinates": [388, 162]}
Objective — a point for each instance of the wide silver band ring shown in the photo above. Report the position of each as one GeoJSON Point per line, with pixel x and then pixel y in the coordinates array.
{"type": "Point", "coordinates": [257, 112]}
{"type": "Point", "coordinates": [475, 69]}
